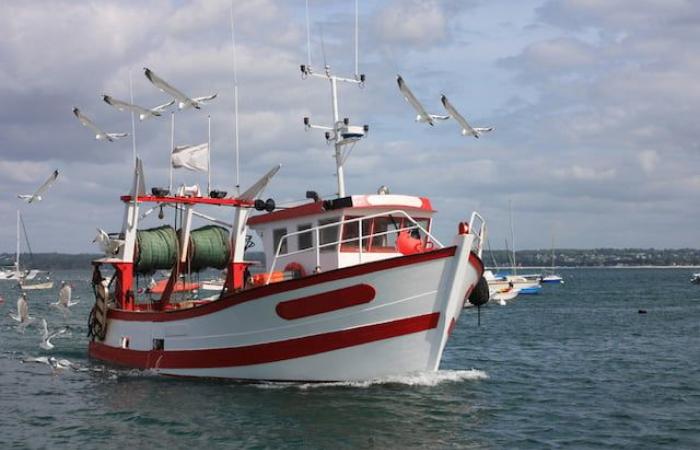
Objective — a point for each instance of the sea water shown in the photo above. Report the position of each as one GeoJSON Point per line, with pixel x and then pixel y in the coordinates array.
{"type": "Point", "coordinates": [576, 366]}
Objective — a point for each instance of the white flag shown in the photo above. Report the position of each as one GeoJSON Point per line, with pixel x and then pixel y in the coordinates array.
{"type": "Point", "coordinates": [192, 157]}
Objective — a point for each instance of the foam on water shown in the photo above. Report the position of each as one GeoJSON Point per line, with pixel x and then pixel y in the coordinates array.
{"type": "Point", "coordinates": [413, 379]}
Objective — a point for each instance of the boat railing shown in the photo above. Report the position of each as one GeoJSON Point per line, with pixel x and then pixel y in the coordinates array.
{"type": "Point", "coordinates": [317, 246]}
{"type": "Point", "coordinates": [477, 226]}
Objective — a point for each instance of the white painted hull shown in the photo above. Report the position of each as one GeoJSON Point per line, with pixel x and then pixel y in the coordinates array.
{"type": "Point", "coordinates": [504, 296]}
{"type": "Point", "coordinates": [416, 300]}
{"type": "Point", "coordinates": [36, 286]}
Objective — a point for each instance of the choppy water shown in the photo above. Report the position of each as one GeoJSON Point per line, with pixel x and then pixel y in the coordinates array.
{"type": "Point", "coordinates": [575, 367]}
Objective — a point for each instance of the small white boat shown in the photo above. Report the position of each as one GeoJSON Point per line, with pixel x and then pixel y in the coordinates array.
{"type": "Point", "coordinates": [695, 279]}
{"type": "Point", "coordinates": [504, 294]}
{"type": "Point", "coordinates": [552, 279]}
{"type": "Point", "coordinates": [42, 285]}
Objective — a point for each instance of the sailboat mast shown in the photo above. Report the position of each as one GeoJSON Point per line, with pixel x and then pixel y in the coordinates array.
{"type": "Point", "coordinates": [512, 234]}
{"type": "Point", "coordinates": [17, 251]}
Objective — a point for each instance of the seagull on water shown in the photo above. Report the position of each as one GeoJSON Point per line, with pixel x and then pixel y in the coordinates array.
{"type": "Point", "coordinates": [467, 130]}
{"type": "Point", "coordinates": [101, 135]}
{"type": "Point", "coordinates": [46, 336]}
{"type": "Point", "coordinates": [143, 113]}
{"type": "Point", "coordinates": [22, 317]}
{"type": "Point", "coordinates": [183, 101]}
{"type": "Point", "coordinates": [423, 115]}
{"type": "Point", "coordinates": [36, 196]}
{"type": "Point", "coordinates": [64, 301]}
{"type": "Point", "coordinates": [54, 363]}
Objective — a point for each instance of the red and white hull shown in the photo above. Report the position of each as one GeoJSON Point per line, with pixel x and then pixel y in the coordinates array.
{"type": "Point", "coordinates": [356, 323]}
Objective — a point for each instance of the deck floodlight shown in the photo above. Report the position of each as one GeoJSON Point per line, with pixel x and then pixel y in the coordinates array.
{"type": "Point", "coordinates": [346, 121]}
{"type": "Point", "coordinates": [313, 195]}
{"type": "Point", "coordinates": [269, 205]}
{"type": "Point", "coordinates": [259, 205]}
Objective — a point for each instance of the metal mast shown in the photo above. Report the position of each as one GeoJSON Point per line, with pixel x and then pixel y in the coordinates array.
{"type": "Point", "coordinates": [341, 133]}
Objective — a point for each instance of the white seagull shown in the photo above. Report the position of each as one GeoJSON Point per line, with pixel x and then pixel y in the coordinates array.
{"type": "Point", "coordinates": [22, 316]}
{"type": "Point", "coordinates": [423, 115]}
{"type": "Point", "coordinates": [111, 137]}
{"type": "Point", "coordinates": [142, 112]}
{"type": "Point", "coordinates": [110, 246]}
{"type": "Point", "coordinates": [36, 196]}
{"type": "Point", "coordinates": [64, 298]}
{"type": "Point", "coordinates": [46, 336]}
{"type": "Point", "coordinates": [183, 101]}
{"type": "Point", "coordinates": [467, 130]}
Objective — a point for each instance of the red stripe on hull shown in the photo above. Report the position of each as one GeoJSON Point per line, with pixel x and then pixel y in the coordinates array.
{"type": "Point", "coordinates": [284, 286]}
{"type": "Point", "coordinates": [325, 302]}
{"type": "Point", "coordinates": [264, 353]}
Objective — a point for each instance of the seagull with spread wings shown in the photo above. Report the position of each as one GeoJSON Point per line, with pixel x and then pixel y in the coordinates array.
{"type": "Point", "coordinates": [46, 336]}
{"type": "Point", "coordinates": [142, 112]}
{"type": "Point", "coordinates": [36, 196]}
{"type": "Point", "coordinates": [467, 129]}
{"type": "Point", "coordinates": [183, 101]}
{"type": "Point", "coordinates": [423, 115]}
{"type": "Point", "coordinates": [111, 137]}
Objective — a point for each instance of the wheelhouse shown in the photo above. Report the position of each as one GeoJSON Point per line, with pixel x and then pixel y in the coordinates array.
{"type": "Point", "coordinates": [332, 234]}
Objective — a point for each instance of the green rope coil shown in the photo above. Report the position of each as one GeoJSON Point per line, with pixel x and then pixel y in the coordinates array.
{"type": "Point", "coordinates": [156, 249]}
{"type": "Point", "coordinates": [210, 246]}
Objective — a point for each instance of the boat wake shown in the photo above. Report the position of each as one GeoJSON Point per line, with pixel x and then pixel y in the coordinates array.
{"type": "Point", "coordinates": [428, 379]}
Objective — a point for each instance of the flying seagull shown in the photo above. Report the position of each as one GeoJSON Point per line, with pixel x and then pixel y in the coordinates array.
{"type": "Point", "coordinates": [183, 101]}
{"type": "Point", "coordinates": [22, 316]}
{"type": "Point", "coordinates": [46, 336]}
{"type": "Point", "coordinates": [36, 196]}
{"type": "Point", "coordinates": [142, 112]}
{"type": "Point", "coordinates": [111, 137]}
{"type": "Point", "coordinates": [467, 130]}
{"type": "Point", "coordinates": [423, 115]}
{"type": "Point", "coordinates": [64, 301]}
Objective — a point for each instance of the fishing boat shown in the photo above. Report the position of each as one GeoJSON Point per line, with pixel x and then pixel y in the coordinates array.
{"type": "Point", "coordinates": [354, 287]}
{"type": "Point", "coordinates": [695, 279]}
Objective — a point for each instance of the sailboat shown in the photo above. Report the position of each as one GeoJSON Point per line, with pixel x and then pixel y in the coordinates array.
{"type": "Point", "coordinates": [24, 276]}
{"type": "Point", "coordinates": [552, 278]}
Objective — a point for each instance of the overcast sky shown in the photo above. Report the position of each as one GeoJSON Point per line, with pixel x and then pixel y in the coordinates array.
{"type": "Point", "coordinates": [595, 105]}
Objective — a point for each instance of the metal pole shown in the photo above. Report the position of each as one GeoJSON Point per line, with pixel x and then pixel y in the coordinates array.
{"type": "Point", "coordinates": [172, 147]}
{"type": "Point", "coordinates": [17, 254]}
{"type": "Point", "coordinates": [133, 119]}
{"type": "Point", "coordinates": [209, 156]}
{"type": "Point", "coordinates": [338, 138]}
{"type": "Point", "coordinates": [235, 103]}
{"type": "Point", "coordinates": [357, 70]}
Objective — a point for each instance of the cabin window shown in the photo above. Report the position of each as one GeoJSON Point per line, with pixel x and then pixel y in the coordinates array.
{"type": "Point", "coordinates": [351, 234]}
{"type": "Point", "coordinates": [305, 239]}
{"type": "Point", "coordinates": [328, 235]}
{"type": "Point", "coordinates": [277, 235]}
{"type": "Point", "coordinates": [379, 233]}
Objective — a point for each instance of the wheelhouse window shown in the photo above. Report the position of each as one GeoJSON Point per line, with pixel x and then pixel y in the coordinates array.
{"type": "Point", "coordinates": [305, 239]}
{"type": "Point", "coordinates": [277, 235]}
{"type": "Point", "coordinates": [328, 235]}
{"type": "Point", "coordinates": [379, 233]}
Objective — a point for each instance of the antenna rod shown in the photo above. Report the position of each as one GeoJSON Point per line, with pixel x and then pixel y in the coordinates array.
{"type": "Point", "coordinates": [357, 71]}
{"type": "Point", "coordinates": [133, 120]}
{"type": "Point", "coordinates": [235, 103]}
{"type": "Point", "coordinates": [209, 156]}
{"type": "Point", "coordinates": [172, 147]}
{"type": "Point", "coordinates": [308, 36]}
